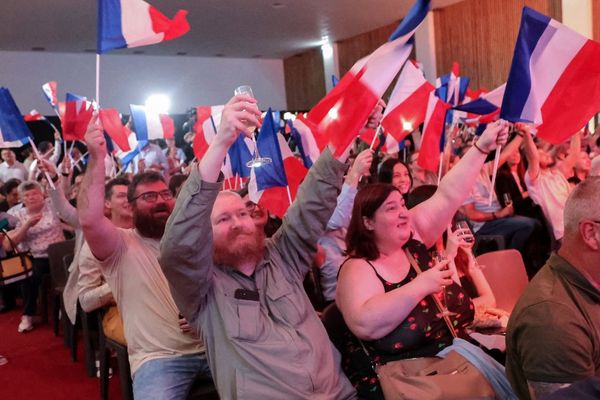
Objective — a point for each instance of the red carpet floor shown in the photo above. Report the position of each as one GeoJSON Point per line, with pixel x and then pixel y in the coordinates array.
{"type": "Point", "coordinates": [40, 367]}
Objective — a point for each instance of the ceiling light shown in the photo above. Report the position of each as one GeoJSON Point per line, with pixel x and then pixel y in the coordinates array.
{"type": "Point", "coordinates": [407, 126]}
{"type": "Point", "coordinates": [158, 103]}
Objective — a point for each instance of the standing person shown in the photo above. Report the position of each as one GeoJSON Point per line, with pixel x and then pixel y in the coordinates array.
{"type": "Point", "coordinates": [245, 293]}
{"type": "Point", "coordinates": [164, 360]}
{"type": "Point", "coordinates": [11, 168]}
{"type": "Point", "coordinates": [38, 227]}
{"type": "Point", "coordinates": [553, 337]}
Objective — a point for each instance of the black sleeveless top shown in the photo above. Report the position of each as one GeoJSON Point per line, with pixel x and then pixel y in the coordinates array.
{"type": "Point", "coordinates": [421, 334]}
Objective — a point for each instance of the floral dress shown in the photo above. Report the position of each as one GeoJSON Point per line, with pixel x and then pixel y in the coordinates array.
{"type": "Point", "coordinates": [421, 334]}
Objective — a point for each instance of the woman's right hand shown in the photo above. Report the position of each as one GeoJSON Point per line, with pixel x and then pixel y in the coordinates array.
{"type": "Point", "coordinates": [435, 278]}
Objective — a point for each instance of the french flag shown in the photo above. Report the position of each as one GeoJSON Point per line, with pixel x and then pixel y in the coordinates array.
{"type": "Point", "coordinates": [308, 138]}
{"type": "Point", "coordinates": [49, 90]}
{"type": "Point", "coordinates": [149, 125]}
{"type": "Point", "coordinates": [208, 119]}
{"type": "Point", "coordinates": [433, 138]}
{"type": "Point", "coordinates": [13, 129]}
{"type": "Point", "coordinates": [240, 153]}
{"type": "Point", "coordinates": [452, 87]}
{"type": "Point", "coordinates": [134, 145]}
{"type": "Point", "coordinates": [554, 78]}
{"type": "Point", "coordinates": [77, 115]}
{"type": "Point", "coordinates": [133, 23]}
{"type": "Point", "coordinates": [342, 113]}
{"type": "Point", "coordinates": [34, 115]}
{"type": "Point", "coordinates": [270, 183]}
{"type": "Point", "coordinates": [112, 124]}
{"type": "Point", "coordinates": [485, 108]}
{"type": "Point", "coordinates": [408, 103]}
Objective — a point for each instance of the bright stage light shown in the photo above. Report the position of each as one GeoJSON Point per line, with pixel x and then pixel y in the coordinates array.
{"type": "Point", "coordinates": [158, 103]}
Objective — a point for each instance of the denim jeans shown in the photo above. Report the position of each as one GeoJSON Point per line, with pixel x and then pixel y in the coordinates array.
{"type": "Point", "coordinates": [31, 285]}
{"type": "Point", "coordinates": [168, 378]}
{"type": "Point", "coordinates": [516, 230]}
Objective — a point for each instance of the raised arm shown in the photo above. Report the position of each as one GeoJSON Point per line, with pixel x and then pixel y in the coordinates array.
{"type": "Point", "coordinates": [65, 210]}
{"type": "Point", "coordinates": [431, 217]}
{"type": "Point", "coordinates": [531, 153]}
{"type": "Point", "coordinates": [186, 246]}
{"type": "Point", "coordinates": [100, 234]}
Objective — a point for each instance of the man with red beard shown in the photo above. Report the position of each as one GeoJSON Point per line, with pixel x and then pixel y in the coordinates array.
{"type": "Point", "coordinates": [164, 360]}
{"type": "Point", "coordinates": [244, 293]}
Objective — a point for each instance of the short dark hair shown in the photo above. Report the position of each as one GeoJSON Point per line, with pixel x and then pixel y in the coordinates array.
{"type": "Point", "coordinates": [143, 178]}
{"type": "Point", "coordinates": [386, 171]}
{"type": "Point", "coordinates": [120, 181]}
{"type": "Point", "coordinates": [10, 185]}
{"type": "Point", "coordinates": [175, 183]}
{"type": "Point", "coordinates": [360, 242]}
{"type": "Point", "coordinates": [44, 146]}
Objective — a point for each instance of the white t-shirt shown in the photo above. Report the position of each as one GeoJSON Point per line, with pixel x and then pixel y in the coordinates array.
{"type": "Point", "coordinates": [150, 316]}
{"type": "Point", "coordinates": [550, 191]}
{"type": "Point", "coordinates": [16, 171]}
{"type": "Point", "coordinates": [480, 194]}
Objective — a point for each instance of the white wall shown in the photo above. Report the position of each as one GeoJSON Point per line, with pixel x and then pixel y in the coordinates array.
{"type": "Point", "coordinates": [130, 79]}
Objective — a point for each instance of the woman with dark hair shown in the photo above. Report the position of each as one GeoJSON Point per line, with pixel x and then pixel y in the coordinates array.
{"type": "Point", "coordinates": [384, 301]}
{"type": "Point", "coordinates": [397, 173]}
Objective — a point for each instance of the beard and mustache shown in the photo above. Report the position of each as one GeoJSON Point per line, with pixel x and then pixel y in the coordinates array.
{"type": "Point", "coordinates": [239, 246]}
{"type": "Point", "coordinates": [149, 225]}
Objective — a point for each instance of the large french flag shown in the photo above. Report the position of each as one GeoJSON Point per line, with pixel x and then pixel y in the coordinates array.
{"type": "Point", "coordinates": [342, 113]}
{"type": "Point", "coordinates": [208, 119]}
{"type": "Point", "coordinates": [13, 129]}
{"type": "Point", "coordinates": [76, 117]}
{"type": "Point", "coordinates": [149, 125]}
{"type": "Point", "coordinates": [408, 103]}
{"type": "Point", "coordinates": [269, 184]}
{"type": "Point", "coordinates": [554, 79]}
{"type": "Point", "coordinates": [432, 141]}
{"type": "Point", "coordinates": [133, 23]}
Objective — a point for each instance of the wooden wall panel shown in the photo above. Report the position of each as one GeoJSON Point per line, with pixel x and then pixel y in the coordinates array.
{"type": "Point", "coordinates": [481, 35]}
{"type": "Point", "coordinates": [304, 79]}
{"type": "Point", "coordinates": [596, 19]}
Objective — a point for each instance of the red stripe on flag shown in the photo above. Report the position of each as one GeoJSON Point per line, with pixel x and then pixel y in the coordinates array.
{"type": "Point", "coordinates": [172, 29]}
{"type": "Point", "coordinates": [168, 126]}
{"type": "Point", "coordinates": [429, 153]}
{"type": "Point", "coordinates": [200, 144]}
{"type": "Point", "coordinates": [575, 98]}
{"type": "Point", "coordinates": [111, 122]}
{"type": "Point", "coordinates": [412, 110]}
{"type": "Point", "coordinates": [275, 199]}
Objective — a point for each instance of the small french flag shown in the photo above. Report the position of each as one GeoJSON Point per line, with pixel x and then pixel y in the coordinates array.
{"type": "Point", "coordinates": [133, 23]}
{"type": "Point", "coordinates": [150, 125]}
{"type": "Point", "coordinates": [208, 119]}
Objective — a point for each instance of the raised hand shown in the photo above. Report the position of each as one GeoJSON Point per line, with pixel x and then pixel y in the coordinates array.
{"type": "Point", "coordinates": [239, 113]}
{"type": "Point", "coordinates": [496, 134]}
{"type": "Point", "coordinates": [94, 138]}
{"type": "Point", "coordinates": [436, 277]}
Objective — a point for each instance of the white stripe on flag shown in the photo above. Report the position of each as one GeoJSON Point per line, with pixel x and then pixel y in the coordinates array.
{"type": "Point", "coordinates": [410, 79]}
{"type": "Point", "coordinates": [554, 52]}
{"type": "Point", "coordinates": [136, 24]}
{"type": "Point", "coordinates": [155, 128]}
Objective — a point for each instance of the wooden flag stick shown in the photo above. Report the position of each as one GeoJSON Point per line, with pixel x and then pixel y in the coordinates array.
{"type": "Point", "coordinates": [494, 173]}
{"type": "Point", "coordinates": [98, 79]}
{"type": "Point", "coordinates": [289, 194]}
{"type": "Point", "coordinates": [440, 168]}
{"type": "Point", "coordinates": [39, 157]}
{"type": "Point", "coordinates": [375, 137]}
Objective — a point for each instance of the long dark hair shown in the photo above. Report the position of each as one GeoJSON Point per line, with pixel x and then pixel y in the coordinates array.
{"type": "Point", "coordinates": [386, 172]}
{"type": "Point", "coordinates": [360, 242]}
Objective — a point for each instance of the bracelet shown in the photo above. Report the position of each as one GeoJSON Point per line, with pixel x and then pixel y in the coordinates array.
{"type": "Point", "coordinates": [64, 173]}
{"type": "Point", "coordinates": [479, 148]}
{"type": "Point", "coordinates": [54, 178]}
{"type": "Point", "coordinates": [494, 216]}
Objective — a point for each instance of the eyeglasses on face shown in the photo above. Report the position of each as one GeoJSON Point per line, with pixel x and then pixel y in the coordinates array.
{"type": "Point", "coordinates": [151, 197]}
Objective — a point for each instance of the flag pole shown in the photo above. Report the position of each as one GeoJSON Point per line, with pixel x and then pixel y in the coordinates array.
{"type": "Point", "coordinates": [39, 157]}
{"type": "Point", "coordinates": [98, 79]}
{"type": "Point", "coordinates": [494, 173]}
{"type": "Point", "coordinates": [289, 194]}
{"type": "Point", "coordinates": [440, 168]}
{"type": "Point", "coordinates": [375, 137]}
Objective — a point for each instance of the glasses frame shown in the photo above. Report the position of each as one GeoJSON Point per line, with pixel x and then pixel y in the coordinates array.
{"type": "Point", "coordinates": [162, 194]}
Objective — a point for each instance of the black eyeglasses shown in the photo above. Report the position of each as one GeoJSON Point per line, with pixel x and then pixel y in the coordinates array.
{"type": "Point", "coordinates": [151, 197]}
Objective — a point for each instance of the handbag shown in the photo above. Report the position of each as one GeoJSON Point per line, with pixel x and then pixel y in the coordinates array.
{"type": "Point", "coordinates": [435, 378]}
{"type": "Point", "coordinates": [15, 268]}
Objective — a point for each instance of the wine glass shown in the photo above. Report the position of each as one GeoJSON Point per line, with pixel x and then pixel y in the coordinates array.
{"type": "Point", "coordinates": [462, 224]}
{"type": "Point", "coordinates": [257, 160]}
{"type": "Point", "coordinates": [507, 199]}
{"type": "Point", "coordinates": [438, 257]}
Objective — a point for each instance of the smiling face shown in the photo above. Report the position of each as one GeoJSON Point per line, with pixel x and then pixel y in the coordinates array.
{"type": "Point", "coordinates": [391, 222]}
{"type": "Point", "coordinates": [150, 217]}
{"type": "Point", "coordinates": [401, 178]}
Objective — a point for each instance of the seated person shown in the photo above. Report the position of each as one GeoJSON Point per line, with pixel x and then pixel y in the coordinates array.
{"type": "Point", "coordinates": [383, 300]}
{"type": "Point", "coordinates": [553, 336]}
{"type": "Point", "coordinates": [397, 173]}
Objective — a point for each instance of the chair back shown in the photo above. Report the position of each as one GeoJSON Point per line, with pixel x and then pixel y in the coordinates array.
{"type": "Point", "coordinates": [56, 253]}
{"type": "Point", "coordinates": [334, 324]}
{"type": "Point", "coordinates": [506, 274]}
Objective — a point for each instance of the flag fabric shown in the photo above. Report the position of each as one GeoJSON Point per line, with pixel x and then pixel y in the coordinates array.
{"type": "Point", "coordinates": [452, 87]}
{"type": "Point", "coordinates": [269, 183]}
{"type": "Point", "coordinates": [408, 103]}
{"type": "Point", "coordinates": [134, 145]}
{"type": "Point", "coordinates": [486, 103]}
{"type": "Point", "coordinates": [133, 23]}
{"type": "Point", "coordinates": [433, 134]}
{"type": "Point", "coordinates": [77, 115]}
{"type": "Point", "coordinates": [49, 89]}
{"type": "Point", "coordinates": [33, 115]}
{"type": "Point", "coordinates": [309, 139]}
{"type": "Point", "coordinates": [342, 113]}
{"type": "Point", "coordinates": [240, 153]}
{"type": "Point", "coordinates": [553, 80]}
{"type": "Point", "coordinates": [208, 119]}
{"type": "Point", "coordinates": [149, 125]}
{"type": "Point", "coordinates": [12, 125]}
{"type": "Point", "coordinates": [119, 133]}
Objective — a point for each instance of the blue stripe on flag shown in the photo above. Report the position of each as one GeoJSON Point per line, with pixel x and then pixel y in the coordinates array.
{"type": "Point", "coordinates": [140, 125]}
{"type": "Point", "coordinates": [415, 16]}
{"type": "Point", "coordinates": [110, 31]}
{"type": "Point", "coordinates": [12, 124]}
{"type": "Point", "coordinates": [239, 156]}
{"type": "Point", "coordinates": [273, 174]}
{"type": "Point", "coordinates": [518, 86]}
{"type": "Point", "coordinates": [478, 106]}
{"type": "Point", "coordinates": [298, 140]}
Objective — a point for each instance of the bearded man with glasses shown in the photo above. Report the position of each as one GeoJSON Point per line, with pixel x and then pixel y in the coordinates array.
{"type": "Point", "coordinates": [164, 355]}
{"type": "Point", "coordinates": [553, 337]}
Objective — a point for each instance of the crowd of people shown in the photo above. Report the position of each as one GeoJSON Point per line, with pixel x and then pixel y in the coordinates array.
{"type": "Point", "coordinates": [198, 281]}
